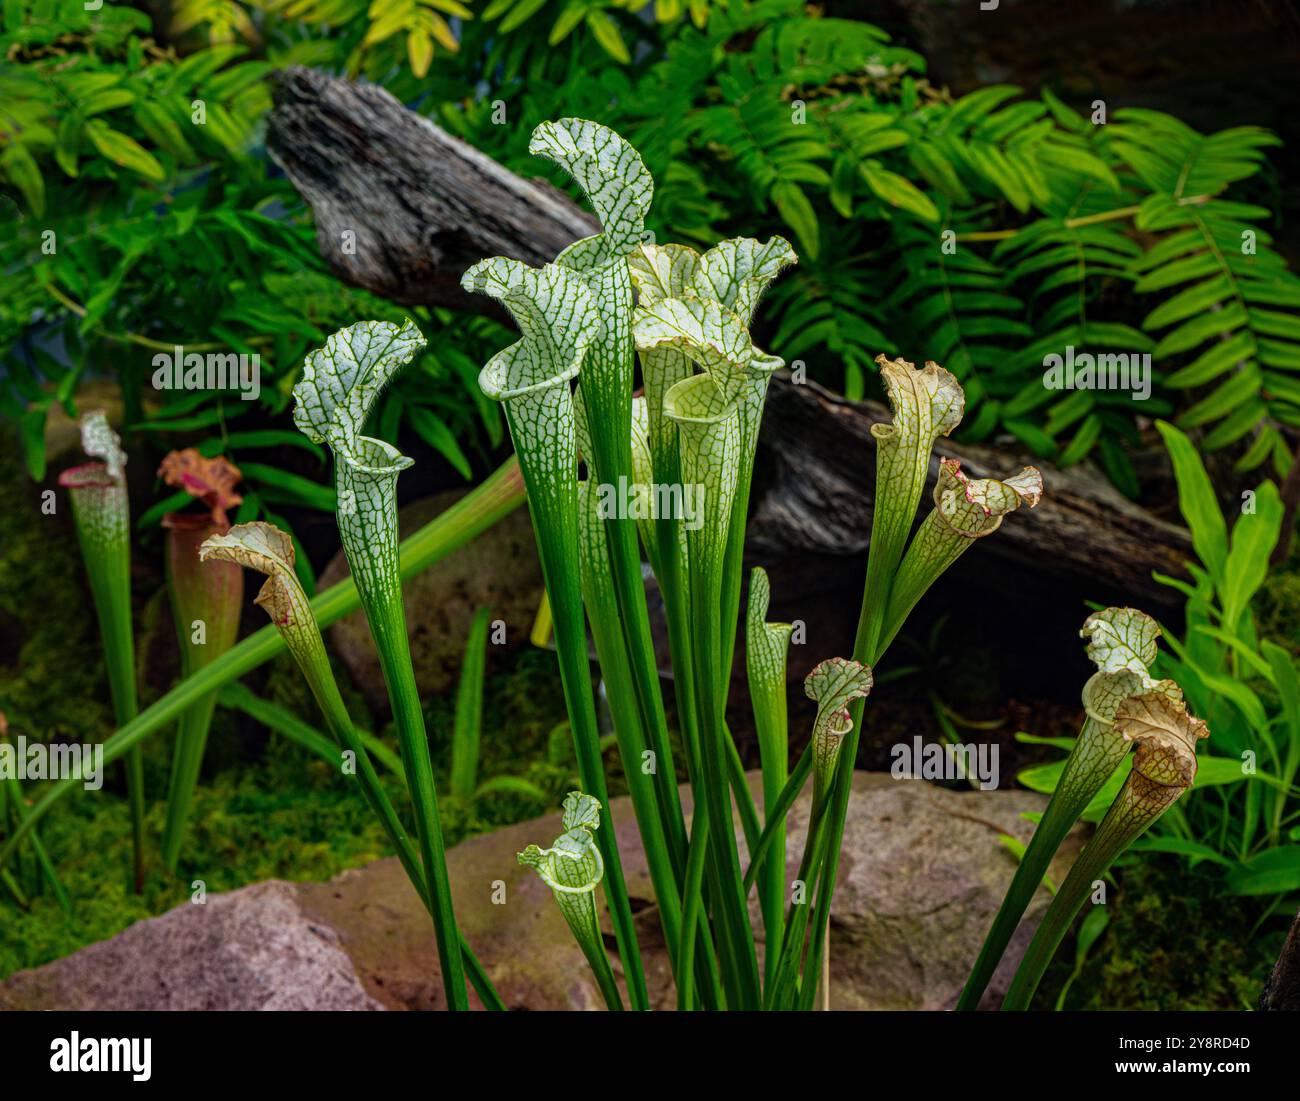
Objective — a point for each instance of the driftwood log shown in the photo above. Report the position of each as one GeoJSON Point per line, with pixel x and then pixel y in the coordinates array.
{"type": "Point", "coordinates": [1282, 991]}
{"type": "Point", "coordinates": [403, 208]}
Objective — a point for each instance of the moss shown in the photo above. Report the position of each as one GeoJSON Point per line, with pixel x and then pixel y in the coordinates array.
{"type": "Point", "coordinates": [274, 812]}
{"type": "Point", "coordinates": [1277, 607]}
{"type": "Point", "coordinates": [1174, 942]}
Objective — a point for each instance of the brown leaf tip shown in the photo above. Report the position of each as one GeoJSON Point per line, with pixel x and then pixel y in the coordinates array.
{"type": "Point", "coordinates": [1166, 734]}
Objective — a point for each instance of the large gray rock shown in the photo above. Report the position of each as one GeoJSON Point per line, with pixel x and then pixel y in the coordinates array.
{"type": "Point", "coordinates": [497, 570]}
{"type": "Point", "coordinates": [250, 949]}
{"type": "Point", "coordinates": [922, 875]}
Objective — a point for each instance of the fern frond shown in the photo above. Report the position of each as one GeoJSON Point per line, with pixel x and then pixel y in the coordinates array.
{"type": "Point", "coordinates": [958, 310]}
{"type": "Point", "coordinates": [832, 302]}
{"type": "Point", "coordinates": [1229, 318]}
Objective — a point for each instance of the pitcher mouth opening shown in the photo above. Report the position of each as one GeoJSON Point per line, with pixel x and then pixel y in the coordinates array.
{"type": "Point", "coordinates": [501, 380]}
{"type": "Point", "coordinates": [367, 455]}
{"type": "Point", "coordinates": [189, 522]}
{"type": "Point", "coordinates": [89, 476]}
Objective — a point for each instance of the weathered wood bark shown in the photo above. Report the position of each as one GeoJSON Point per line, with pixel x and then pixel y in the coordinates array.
{"type": "Point", "coordinates": [403, 208]}
{"type": "Point", "coordinates": [423, 206]}
{"type": "Point", "coordinates": [1282, 991]}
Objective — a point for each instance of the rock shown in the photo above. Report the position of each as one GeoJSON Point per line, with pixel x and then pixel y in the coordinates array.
{"type": "Point", "coordinates": [922, 875]}
{"type": "Point", "coordinates": [250, 949]}
{"type": "Point", "coordinates": [498, 570]}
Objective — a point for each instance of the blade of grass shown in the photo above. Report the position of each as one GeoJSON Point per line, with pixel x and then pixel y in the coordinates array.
{"type": "Point", "coordinates": [469, 709]}
{"type": "Point", "coordinates": [19, 808]}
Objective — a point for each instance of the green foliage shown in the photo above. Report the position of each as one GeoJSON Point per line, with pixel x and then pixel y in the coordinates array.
{"type": "Point", "coordinates": [1109, 221]}
{"type": "Point", "coordinates": [143, 216]}
{"type": "Point", "coordinates": [1247, 687]}
{"type": "Point", "coordinates": [983, 232]}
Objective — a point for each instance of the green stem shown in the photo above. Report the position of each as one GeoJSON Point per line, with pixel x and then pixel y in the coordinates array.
{"type": "Point", "coordinates": [615, 668]}
{"type": "Point", "coordinates": [575, 676]}
{"type": "Point", "coordinates": [469, 709]}
{"type": "Point", "coordinates": [594, 951]}
{"type": "Point", "coordinates": [1107, 843]}
{"type": "Point", "coordinates": [634, 621]}
{"type": "Point", "coordinates": [270, 551]}
{"type": "Point", "coordinates": [1086, 771]}
{"type": "Point", "coordinates": [366, 477]}
{"type": "Point", "coordinates": [274, 717]}
{"type": "Point", "coordinates": [347, 736]}
{"type": "Point", "coordinates": [119, 652]}
{"type": "Point", "coordinates": [693, 912]}
{"type": "Point", "coordinates": [388, 625]}
{"type": "Point", "coordinates": [549, 478]}
{"type": "Point", "coordinates": [674, 587]}
{"type": "Point", "coordinates": [771, 724]}
{"type": "Point", "coordinates": [868, 650]}
{"type": "Point", "coordinates": [783, 991]}
{"type": "Point", "coordinates": [738, 939]}
{"type": "Point", "coordinates": [607, 373]}
{"type": "Point", "coordinates": [775, 817]}
{"type": "Point", "coordinates": [187, 761]}
{"type": "Point", "coordinates": [1164, 766]}
{"type": "Point", "coordinates": [324, 689]}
